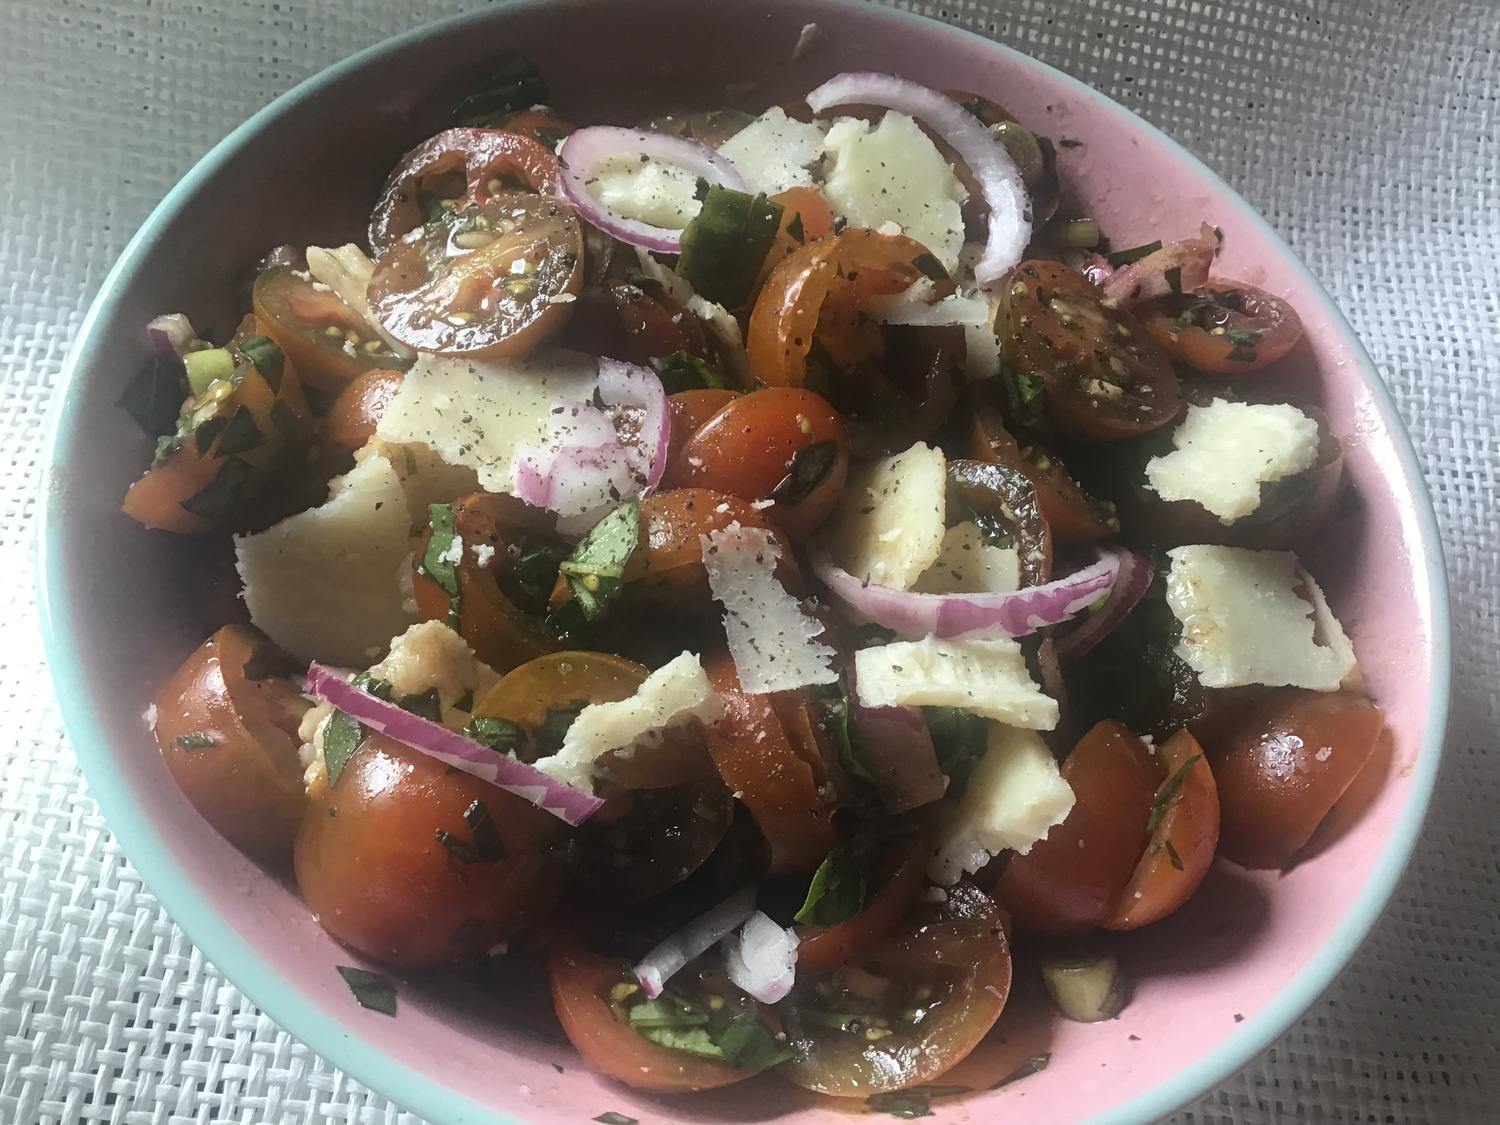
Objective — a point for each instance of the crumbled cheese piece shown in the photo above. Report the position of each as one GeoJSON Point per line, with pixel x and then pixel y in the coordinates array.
{"type": "Point", "coordinates": [647, 190]}
{"type": "Point", "coordinates": [775, 152]}
{"type": "Point", "coordinates": [968, 564]}
{"type": "Point", "coordinates": [892, 172]}
{"type": "Point", "coordinates": [888, 526]}
{"type": "Point", "coordinates": [770, 637]}
{"type": "Point", "coordinates": [1243, 621]}
{"type": "Point", "coordinates": [1014, 797]}
{"type": "Point", "coordinates": [988, 677]}
{"type": "Point", "coordinates": [326, 584]}
{"type": "Point", "coordinates": [431, 655]}
{"type": "Point", "coordinates": [889, 227]}
{"type": "Point", "coordinates": [676, 693]}
{"type": "Point", "coordinates": [1225, 451]}
{"type": "Point", "coordinates": [484, 554]}
{"type": "Point", "coordinates": [475, 414]}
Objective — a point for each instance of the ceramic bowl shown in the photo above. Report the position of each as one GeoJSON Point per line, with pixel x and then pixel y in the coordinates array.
{"type": "Point", "coordinates": [1214, 985]}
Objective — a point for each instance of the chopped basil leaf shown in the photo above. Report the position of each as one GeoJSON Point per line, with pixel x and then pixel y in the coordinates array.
{"type": "Point", "coordinates": [832, 713]}
{"type": "Point", "coordinates": [610, 1117]}
{"type": "Point", "coordinates": [241, 435]}
{"type": "Point", "coordinates": [534, 564]}
{"type": "Point", "coordinates": [1133, 254]}
{"type": "Point", "coordinates": [206, 431]}
{"type": "Point", "coordinates": [929, 266]}
{"type": "Point", "coordinates": [726, 243]}
{"type": "Point", "coordinates": [284, 418]}
{"type": "Point", "coordinates": [1034, 1065]}
{"type": "Point", "coordinates": [341, 738]}
{"type": "Point", "coordinates": [839, 886]}
{"type": "Point", "coordinates": [913, 1103]}
{"type": "Point", "coordinates": [373, 990]}
{"type": "Point", "coordinates": [1172, 856]}
{"type": "Point", "coordinates": [424, 703]}
{"type": "Point", "coordinates": [1025, 394]}
{"type": "Point", "coordinates": [219, 497]}
{"type": "Point", "coordinates": [155, 395]}
{"type": "Point", "coordinates": [500, 735]}
{"type": "Point", "coordinates": [438, 561]}
{"type": "Point", "coordinates": [464, 702]}
{"type": "Point", "coordinates": [596, 567]}
{"type": "Point", "coordinates": [1241, 336]}
{"type": "Point", "coordinates": [513, 83]}
{"type": "Point", "coordinates": [809, 466]}
{"type": "Point", "coordinates": [667, 1010]}
{"type": "Point", "coordinates": [688, 1040]}
{"type": "Point", "coordinates": [958, 736]}
{"type": "Point", "coordinates": [195, 741]}
{"type": "Point", "coordinates": [267, 358]}
{"type": "Point", "coordinates": [1167, 794]}
{"type": "Point", "coordinates": [683, 371]}
{"type": "Point", "coordinates": [547, 736]}
{"type": "Point", "coordinates": [482, 828]}
{"type": "Point", "coordinates": [747, 1044]}
{"type": "Point", "coordinates": [1174, 278]}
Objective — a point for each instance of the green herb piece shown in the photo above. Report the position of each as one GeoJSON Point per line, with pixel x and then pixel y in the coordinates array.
{"type": "Point", "coordinates": [725, 245]}
{"type": "Point", "coordinates": [373, 990]}
{"type": "Point", "coordinates": [839, 886]}
{"type": "Point", "coordinates": [464, 702]}
{"type": "Point", "coordinates": [1025, 394]}
{"type": "Point", "coordinates": [220, 496]}
{"type": "Point", "coordinates": [155, 396]}
{"type": "Point", "coordinates": [596, 568]}
{"type": "Point", "coordinates": [482, 828]}
{"type": "Point", "coordinates": [195, 741]}
{"type": "Point", "coordinates": [683, 371]}
{"type": "Point", "coordinates": [206, 431]}
{"type": "Point", "coordinates": [1174, 278]}
{"type": "Point", "coordinates": [688, 1040]}
{"type": "Point", "coordinates": [424, 703]}
{"type": "Point", "coordinates": [610, 1117]}
{"type": "Point", "coordinates": [500, 735]}
{"type": "Point", "coordinates": [913, 1103]}
{"type": "Point", "coordinates": [440, 559]}
{"type": "Point", "coordinates": [461, 851]}
{"type": "Point", "coordinates": [958, 736]}
{"type": "Point", "coordinates": [810, 465]}
{"type": "Point", "coordinates": [205, 367]}
{"type": "Point", "coordinates": [1034, 1065]}
{"type": "Point", "coordinates": [667, 1010]}
{"type": "Point", "coordinates": [747, 1044]}
{"type": "Point", "coordinates": [929, 266]}
{"type": "Point", "coordinates": [832, 713]}
{"type": "Point", "coordinates": [267, 358]}
{"type": "Point", "coordinates": [380, 689]}
{"type": "Point", "coordinates": [513, 83]}
{"type": "Point", "coordinates": [1172, 856]}
{"type": "Point", "coordinates": [1241, 336]}
{"type": "Point", "coordinates": [341, 738]}
{"type": "Point", "coordinates": [240, 436]}
{"type": "Point", "coordinates": [1133, 254]}
{"type": "Point", "coordinates": [1167, 794]}
{"type": "Point", "coordinates": [533, 563]}
{"type": "Point", "coordinates": [1081, 234]}
{"type": "Point", "coordinates": [285, 419]}
{"type": "Point", "coordinates": [547, 736]}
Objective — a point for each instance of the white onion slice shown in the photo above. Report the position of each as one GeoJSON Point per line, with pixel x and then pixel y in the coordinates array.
{"type": "Point", "coordinates": [987, 158]}
{"type": "Point", "coordinates": [762, 958]}
{"type": "Point", "coordinates": [949, 616]}
{"type": "Point", "coordinates": [693, 940]}
{"type": "Point", "coordinates": [584, 150]}
{"type": "Point", "coordinates": [1146, 278]}
{"type": "Point", "coordinates": [451, 748]}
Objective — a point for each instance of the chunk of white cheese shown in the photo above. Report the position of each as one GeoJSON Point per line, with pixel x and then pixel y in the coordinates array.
{"type": "Point", "coordinates": [475, 413]}
{"type": "Point", "coordinates": [770, 638]}
{"type": "Point", "coordinates": [426, 478]}
{"type": "Point", "coordinates": [892, 172]}
{"type": "Point", "coordinates": [647, 190]}
{"type": "Point", "coordinates": [775, 152]}
{"type": "Point", "coordinates": [1225, 451]}
{"type": "Point", "coordinates": [1015, 796]}
{"type": "Point", "coordinates": [676, 693]}
{"type": "Point", "coordinates": [968, 564]}
{"type": "Point", "coordinates": [1243, 621]}
{"type": "Point", "coordinates": [888, 527]}
{"type": "Point", "coordinates": [988, 677]}
{"type": "Point", "coordinates": [333, 583]}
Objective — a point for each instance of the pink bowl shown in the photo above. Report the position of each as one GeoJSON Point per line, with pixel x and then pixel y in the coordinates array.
{"type": "Point", "coordinates": [1215, 984]}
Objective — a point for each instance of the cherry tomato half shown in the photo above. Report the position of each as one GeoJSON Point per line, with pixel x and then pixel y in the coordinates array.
{"type": "Point", "coordinates": [690, 412]}
{"type": "Point", "coordinates": [327, 340]}
{"type": "Point", "coordinates": [1226, 328]}
{"type": "Point", "coordinates": [805, 217]}
{"type": "Point", "coordinates": [1282, 771]}
{"type": "Point", "coordinates": [901, 875]}
{"type": "Point", "coordinates": [634, 323]}
{"type": "Point", "coordinates": [352, 418]}
{"type": "Point", "coordinates": [482, 281]}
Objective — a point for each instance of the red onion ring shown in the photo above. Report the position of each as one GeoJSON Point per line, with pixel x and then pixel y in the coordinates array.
{"type": "Point", "coordinates": [172, 335]}
{"type": "Point", "coordinates": [451, 748]}
{"type": "Point", "coordinates": [948, 616]}
{"type": "Point", "coordinates": [693, 940]}
{"type": "Point", "coordinates": [1146, 278]}
{"type": "Point", "coordinates": [989, 161]}
{"type": "Point", "coordinates": [585, 149]}
{"type": "Point", "coordinates": [1130, 587]}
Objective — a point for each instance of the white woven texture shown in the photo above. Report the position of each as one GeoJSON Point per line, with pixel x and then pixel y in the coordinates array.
{"type": "Point", "coordinates": [1363, 131]}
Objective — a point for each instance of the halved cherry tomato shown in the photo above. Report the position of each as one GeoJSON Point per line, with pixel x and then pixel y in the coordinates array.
{"type": "Point", "coordinates": [1070, 880]}
{"type": "Point", "coordinates": [900, 878]}
{"type": "Point", "coordinates": [1102, 376]}
{"type": "Point", "coordinates": [782, 444]}
{"type": "Point", "coordinates": [907, 1008]}
{"type": "Point", "coordinates": [1227, 328]}
{"type": "Point", "coordinates": [482, 281]}
{"type": "Point", "coordinates": [1282, 771]}
{"type": "Point", "coordinates": [352, 418]}
{"type": "Point", "coordinates": [454, 169]}
{"type": "Point", "coordinates": [1002, 502]}
{"type": "Point", "coordinates": [1183, 838]}
{"type": "Point", "coordinates": [1072, 514]}
{"type": "Point", "coordinates": [760, 766]}
{"type": "Point", "coordinates": [541, 125]}
{"type": "Point", "coordinates": [805, 217]}
{"type": "Point", "coordinates": [496, 612]}
{"type": "Point", "coordinates": [690, 412]}
{"type": "Point", "coordinates": [419, 865]}
{"type": "Point", "coordinates": [328, 341]}
{"type": "Point", "coordinates": [226, 725]}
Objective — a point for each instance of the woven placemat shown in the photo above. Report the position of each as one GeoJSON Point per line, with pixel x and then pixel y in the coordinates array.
{"type": "Point", "coordinates": [1363, 130]}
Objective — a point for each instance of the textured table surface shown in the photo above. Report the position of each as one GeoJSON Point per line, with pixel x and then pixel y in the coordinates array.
{"type": "Point", "coordinates": [1365, 132]}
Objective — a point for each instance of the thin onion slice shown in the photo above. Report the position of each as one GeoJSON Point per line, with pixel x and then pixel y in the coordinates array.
{"type": "Point", "coordinates": [1178, 267]}
{"type": "Point", "coordinates": [1130, 587]}
{"type": "Point", "coordinates": [584, 150]}
{"type": "Point", "coordinates": [987, 158]}
{"type": "Point", "coordinates": [949, 616]}
{"type": "Point", "coordinates": [762, 958]}
{"type": "Point", "coordinates": [568, 804]}
{"type": "Point", "coordinates": [693, 940]}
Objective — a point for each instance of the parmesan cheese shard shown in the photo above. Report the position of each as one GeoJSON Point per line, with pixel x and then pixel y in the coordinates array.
{"type": "Point", "coordinates": [426, 479]}
{"type": "Point", "coordinates": [1245, 620]}
{"type": "Point", "coordinates": [474, 414]}
{"type": "Point", "coordinates": [888, 527]}
{"type": "Point", "coordinates": [676, 693]}
{"type": "Point", "coordinates": [647, 190]}
{"type": "Point", "coordinates": [1014, 797]}
{"type": "Point", "coordinates": [775, 152]}
{"type": "Point", "coordinates": [327, 584]}
{"type": "Point", "coordinates": [968, 564]}
{"type": "Point", "coordinates": [770, 637]}
{"type": "Point", "coordinates": [988, 677]}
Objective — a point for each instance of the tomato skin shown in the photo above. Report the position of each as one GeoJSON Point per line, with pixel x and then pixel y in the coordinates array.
{"type": "Point", "coordinates": [1070, 880]}
{"type": "Point", "coordinates": [352, 418]}
{"type": "Point", "coordinates": [579, 978]}
{"type": "Point", "coordinates": [1223, 305]}
{"type": "Point", "coordinates": [747, 448]}
{"type": "Point", "coordinates": [689, 412]}
{"type": "Point", "coordinates": [824, 948]}
{"type": "Point", "coordinates": [1273, 787]}
{"type": "Point", "coordinates": [248, 783]}
{"type": "Point", "coordinates": [312, 327]}
{"type": "Point", "coordinates": [373, 872]}
{"type": "Point", "coordinates": [1189, 829]}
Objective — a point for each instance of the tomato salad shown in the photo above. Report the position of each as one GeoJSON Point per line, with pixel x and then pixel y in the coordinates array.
{"type": "Point", "coordinates": [759, 568]}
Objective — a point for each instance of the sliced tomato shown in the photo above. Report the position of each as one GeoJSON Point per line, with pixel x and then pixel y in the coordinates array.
{"type": "Point", "coordinates": [690, 412]}
{"type": "Point", "coordinates": [329, 342]}
{"type": "Point", "coordinates": [1226, 328]}
{"type": "Point", "coordinates": [900, 877]}
{"type": "Point", "coordinates": [805, 217]}
{"type": "Point", "coordinates": [352, 418]}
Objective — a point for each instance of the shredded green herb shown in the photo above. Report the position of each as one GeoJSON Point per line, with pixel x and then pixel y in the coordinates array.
{"type": "Point", "coordinates": [267, 358]}
{"type": "Point", "coordinates": [610, 1117]}
{"type": "Point", "coordinates": [683, 371]}
{"type": "Point", "coordinates": [1167, 794]}
{"type": "Point", "coordinates": [1025, 394]}
{"type": "Point", "coordinates": [343, 734]}
{"type": "Point", "coordinates": [840, 885]}
{"type": "Point", "coordinates": [438, 560]}
{"type": "Point", "coordinates": [373, 990]}
{"type": "Point", "coordinates": [222, 494]}
{"type": "Point", "coordinates": [958, 737]}
{"type": "Point", "coordinates": [547, 736]}
{"type": "Point", "coordinates": [424, 703]}
{"type": "Point", "coordinates": [154, 397]}
{"type": "Point", "coordinates": [809, 466]}
{"type": "Point", "coordinates": [195, 741]}
{"type": "Point", "coordinates": [500, 735]}
{"type": "Point", "coordinates": [747, 1044]}
{"type": "Point", "coordinates": [1133, 254]}
{"type": "Point", "coordinates": [726, 243]}
{"type": "Point", "coordinates": [913, 1103]}
{"type": "Point", "coordinates": [1034, 1065]}
{"type": "Point", "coordinates": [241, 435]}
{"type": "Point", "coordinates": [929, 266]}
{"type": "Point", "coordinates": [596, 568]}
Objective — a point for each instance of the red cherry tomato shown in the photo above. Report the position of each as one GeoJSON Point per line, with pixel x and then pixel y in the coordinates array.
{"type": "Point", "coordinates": [1227, 328]}
{"type": "Point", "coordinates": [690, 411]}
{"type": "Point", "coordinates": [352, 418]}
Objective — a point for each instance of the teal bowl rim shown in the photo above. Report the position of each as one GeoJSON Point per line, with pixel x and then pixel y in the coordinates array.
{"type": "Point", "coordinates": [152, 854]}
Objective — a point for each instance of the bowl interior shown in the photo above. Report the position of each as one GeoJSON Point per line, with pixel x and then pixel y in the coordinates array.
{"type": "Point", "coordinates": [1213, 984]}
